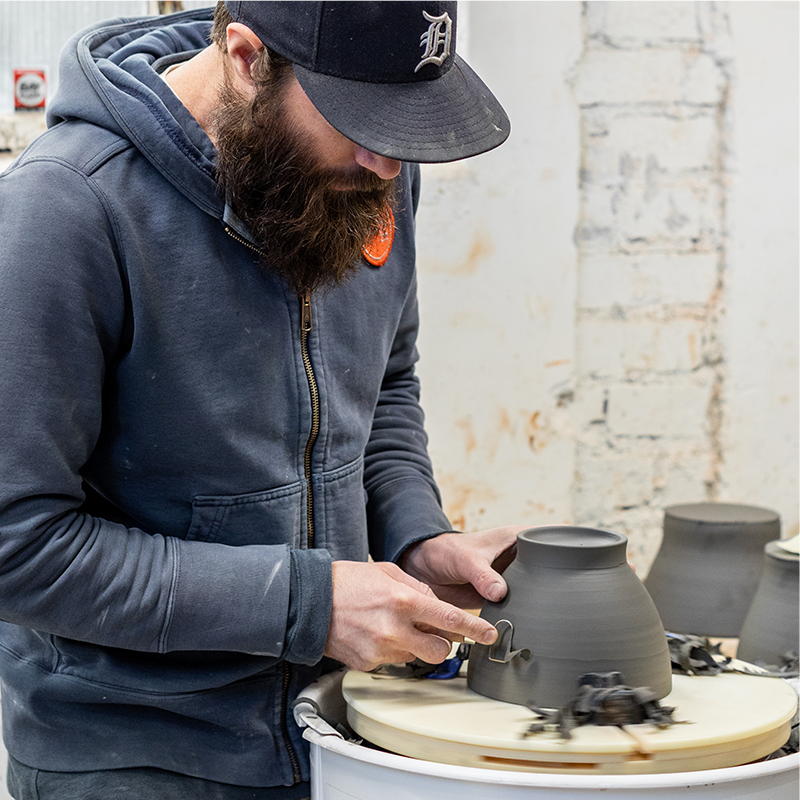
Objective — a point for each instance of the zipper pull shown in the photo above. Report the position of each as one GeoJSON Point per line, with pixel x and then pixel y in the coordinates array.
{"type": "Point", "coordinates": [306, 312]}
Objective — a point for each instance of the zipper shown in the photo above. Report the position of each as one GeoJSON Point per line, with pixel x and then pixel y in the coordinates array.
{"type": "Point", "coordinates": [306, 323]}
{"type": "Point", "coordinates": [305, 331]}
{"type": "Point", "coordinates": [232, 233]}
{"type": "Point", "coordinates": [306, 328]}
{"type": "Point", "coordinates": [287, 672]}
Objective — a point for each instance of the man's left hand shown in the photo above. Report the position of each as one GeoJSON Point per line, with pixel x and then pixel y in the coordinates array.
{"type": "Point", "coordinates": [464, 568]}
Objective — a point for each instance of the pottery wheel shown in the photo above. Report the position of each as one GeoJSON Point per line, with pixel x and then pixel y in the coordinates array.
{"type": "Point", "coordinates": [730, 719]}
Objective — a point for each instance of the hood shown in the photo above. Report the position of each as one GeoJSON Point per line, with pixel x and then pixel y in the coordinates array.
{"type": "Point", "coordinates": [107, 77]}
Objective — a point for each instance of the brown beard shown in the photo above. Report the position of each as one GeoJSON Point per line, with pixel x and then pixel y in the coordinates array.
{"type": "Point", "coordinates": [310, 233]}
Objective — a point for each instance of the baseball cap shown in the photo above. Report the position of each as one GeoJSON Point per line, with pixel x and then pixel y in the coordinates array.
{"type": "Point", "coordinates": [385, 74]}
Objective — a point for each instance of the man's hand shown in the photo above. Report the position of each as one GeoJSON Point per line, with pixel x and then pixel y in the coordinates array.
{"type": "Point", "coordinates": [464, 568]}
{"type": "Point", "coordinates": [381, 615]}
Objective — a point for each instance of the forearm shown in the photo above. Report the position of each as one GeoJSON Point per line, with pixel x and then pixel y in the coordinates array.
{"type": "Point", "coordinates": [96, 581]}
{"type": "Point", "coordinates": [404, 505]}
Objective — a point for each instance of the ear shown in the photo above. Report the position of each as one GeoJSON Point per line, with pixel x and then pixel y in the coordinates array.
{"type": "Point", "coordinates": [243, 49]}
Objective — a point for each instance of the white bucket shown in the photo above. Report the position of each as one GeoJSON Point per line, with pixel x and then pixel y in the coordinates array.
{"type": "Point", "coordinates": [343, 770]}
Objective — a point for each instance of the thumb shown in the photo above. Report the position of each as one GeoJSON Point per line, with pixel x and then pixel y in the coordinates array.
{"type": "Point", "coordinates": [491, 586]}
{"type": "Point", "coordinates": [487, 582]}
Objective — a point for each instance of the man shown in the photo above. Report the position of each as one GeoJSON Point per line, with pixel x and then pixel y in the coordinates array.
{"type": "Point", "coordinates": [209, 409]}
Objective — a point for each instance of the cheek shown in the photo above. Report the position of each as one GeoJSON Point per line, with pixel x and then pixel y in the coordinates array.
{"type": "Point", "coordinates": [332, 149]}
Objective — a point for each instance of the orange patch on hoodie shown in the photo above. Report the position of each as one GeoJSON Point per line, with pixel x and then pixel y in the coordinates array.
{"type": "Point", "coordinates": [377, 249]}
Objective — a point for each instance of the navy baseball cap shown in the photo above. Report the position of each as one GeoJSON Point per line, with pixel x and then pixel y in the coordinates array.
{"type": "Point", "coordinates": [385, 74]}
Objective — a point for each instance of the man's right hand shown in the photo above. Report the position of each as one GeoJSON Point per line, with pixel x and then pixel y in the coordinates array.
{"type": "Point", "coordinates": [381, 615]}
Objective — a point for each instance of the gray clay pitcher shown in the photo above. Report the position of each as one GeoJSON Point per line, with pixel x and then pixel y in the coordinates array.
{"type": "Point", "coordinates": [574, 606]}
{"type": "Point", "coordinates": [770, 629]}
{"type": "Point", "coordinates": [707, 569]}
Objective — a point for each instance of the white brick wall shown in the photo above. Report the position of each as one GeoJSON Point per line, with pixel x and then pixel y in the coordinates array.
{"type": "Point", "coordinates": [636, 23]}
{"type": "Point", "coordinates": [614, 346]}
{"type": "Point", "coordinates": [652, 93]}
{"type": "Point", "coordinates": [643, 280]}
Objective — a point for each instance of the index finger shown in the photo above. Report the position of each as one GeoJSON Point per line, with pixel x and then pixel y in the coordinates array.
{"type": "Point", "coordinates": [453, 622]}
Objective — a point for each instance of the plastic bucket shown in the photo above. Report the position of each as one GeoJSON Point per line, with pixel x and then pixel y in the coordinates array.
{"type": "Point", "coordinates": [342, 770]}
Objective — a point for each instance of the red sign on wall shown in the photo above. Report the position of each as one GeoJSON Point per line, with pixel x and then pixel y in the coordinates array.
{"type": "Point", "coordinates": [30, 89]}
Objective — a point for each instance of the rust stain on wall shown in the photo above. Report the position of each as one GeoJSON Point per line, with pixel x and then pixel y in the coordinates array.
{"type": "Point", "coordinates": [480, 248]}
{"type": "Point", "coordinates": [470, 440]}
{"type": "Point", "coordinates": [459, 522]}
{"type": "Point", "coordinates": [503, 430]}
{"type": "Point", "coordinates": [532, 431]}
{"type": "Point", "coordinates": [465, 503]}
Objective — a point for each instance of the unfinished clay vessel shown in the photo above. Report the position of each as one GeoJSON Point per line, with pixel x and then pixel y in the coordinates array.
{"type": "Point", "coordinates": [770, 629]}
{"type": "Point", "coordinates": [706, 572]}
{"type": "Point", "coordinates": [574, 606]}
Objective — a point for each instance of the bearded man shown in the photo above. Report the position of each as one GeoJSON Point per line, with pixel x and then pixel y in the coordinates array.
{"type": "Point", "coordinates": [210, 417]}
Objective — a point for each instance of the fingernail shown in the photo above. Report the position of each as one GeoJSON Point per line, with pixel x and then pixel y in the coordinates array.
{"type": "Point", "coordinates": [496, 592]}
{"type": "Point", "coordinates": [489, 636]}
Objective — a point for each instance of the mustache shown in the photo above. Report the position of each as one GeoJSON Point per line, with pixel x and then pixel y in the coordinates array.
{"type": "Point", "coordinates": [357, 179]}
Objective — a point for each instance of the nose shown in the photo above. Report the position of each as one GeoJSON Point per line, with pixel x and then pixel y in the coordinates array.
{"type": "Point", "coordinates": [383, 167]}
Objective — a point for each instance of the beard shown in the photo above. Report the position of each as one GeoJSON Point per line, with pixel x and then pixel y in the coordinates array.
{"type": "Point", "coordinates": [309, 222]}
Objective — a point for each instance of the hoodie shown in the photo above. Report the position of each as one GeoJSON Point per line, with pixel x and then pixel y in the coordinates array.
{"type": "Point", "coordinates": [186, 446]}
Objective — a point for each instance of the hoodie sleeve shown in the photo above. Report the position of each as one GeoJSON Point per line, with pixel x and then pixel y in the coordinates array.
{"type": "Point", "coordinates": [404, 505]}
{"type": "Point", "coordinates": [62, 571]}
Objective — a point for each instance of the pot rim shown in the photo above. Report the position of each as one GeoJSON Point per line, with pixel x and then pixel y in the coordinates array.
{"type": "Point", "coordinates": [571, 547]}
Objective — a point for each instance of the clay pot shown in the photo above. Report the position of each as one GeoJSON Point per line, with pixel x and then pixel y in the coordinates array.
{"type": "Point", "coordinates": [574, 606]}
{"type": "Point", "coordinates": [770, 629]}
{"type": "Point", "coordinates": [707, 569]}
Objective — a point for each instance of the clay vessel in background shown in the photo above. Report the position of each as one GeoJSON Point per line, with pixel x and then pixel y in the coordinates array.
{"type": "Point", "coordinates": [574, 606]}
{"type": "Point", "coordinates": [771, 627]}
{"type": "Point", "coordinates": [706, 572]}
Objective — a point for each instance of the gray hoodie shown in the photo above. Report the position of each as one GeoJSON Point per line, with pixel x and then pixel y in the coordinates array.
{"type": "Point", "coordinates": [184, 450]}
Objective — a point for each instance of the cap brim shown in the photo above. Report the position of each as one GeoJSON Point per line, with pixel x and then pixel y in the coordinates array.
{"type": "Point", "coordinates": [452, 117]}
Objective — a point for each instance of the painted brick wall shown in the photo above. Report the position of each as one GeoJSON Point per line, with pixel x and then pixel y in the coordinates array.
{"type": "Point", "coordinates": [652, 88]}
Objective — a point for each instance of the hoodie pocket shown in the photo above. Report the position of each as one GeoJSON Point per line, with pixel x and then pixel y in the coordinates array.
{"type": "Point", "coordinates": [275, 516]}
{"type": "Point", "coordinates": [340, 514]}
